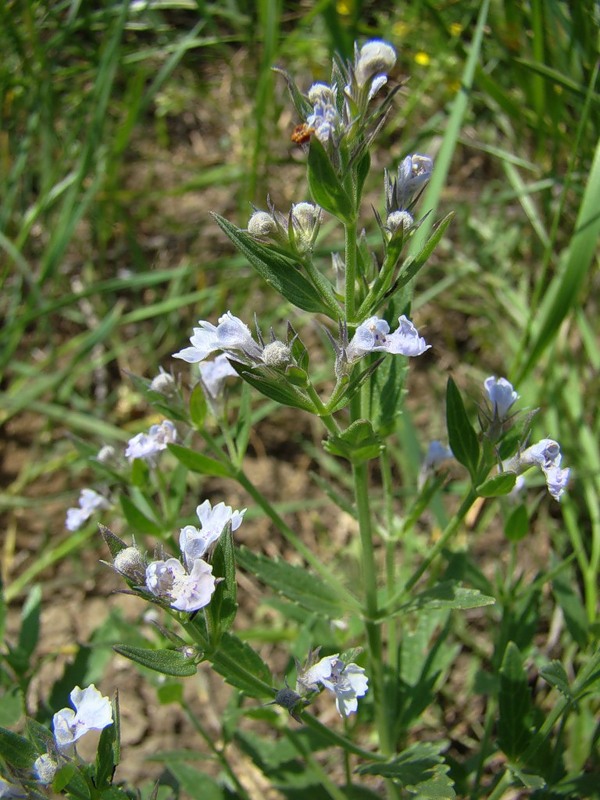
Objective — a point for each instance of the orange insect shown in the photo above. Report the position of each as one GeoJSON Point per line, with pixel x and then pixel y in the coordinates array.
{"type": "Point", "coordinates": [302, 133]}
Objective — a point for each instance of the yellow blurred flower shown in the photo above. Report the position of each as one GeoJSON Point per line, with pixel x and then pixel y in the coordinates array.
{"type": "Point", "coordinates": [422, 58]}
{"type": "Point", "coordinates": [456, 29]}
{"type": "Point", "coordinates": [343, 8]}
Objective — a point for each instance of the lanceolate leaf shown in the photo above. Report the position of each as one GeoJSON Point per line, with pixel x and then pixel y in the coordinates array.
{"type": "Point", "coordinates": [167, 662]}
{"type": "Point", "coordinates": [198, 462]}
{"type": "Point", "coordinates": [420, 768]}
{"type": "Point", "coordinates": [278, 387]}
{"type": "Point", "coordinates": [447, 594]}
{"type": "Point", "coordinates": [242, 667]}
{"type": "Point", "coordinates": [514, 702]}
{"type": "Point", "coordinates": [497, 486]}
{"type": "Point", "coordinates": [223, 605]}
{"type": "Point", "coordinates": [278, 271]}
{"type": "Point", "coordinates": [325, 185]}
{"type": "Point", "coordinates": [461, 434]}
{"type": "Point", "coordinates": [295, 583]}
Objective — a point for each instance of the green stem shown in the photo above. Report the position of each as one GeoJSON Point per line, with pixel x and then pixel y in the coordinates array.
{"type": "Point", "coordinates": [328, 420]}
{"type": "Point", "coordinates": [351, 239]}
{"type": "Point", "coordinates": [218, 753]}
{"type": "Point", "coordinates": [390, 556]}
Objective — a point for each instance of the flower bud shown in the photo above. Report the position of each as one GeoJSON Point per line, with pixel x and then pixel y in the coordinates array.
{"type": "Point", "coordinates": [131, 563]}
{"type": "Point", "coordinates": [261, 224]}
{"type": "Point", "coordinates": [320, 93]}
{"type": "Point", "coordinates": [164, 384]}
{"type": "Point", "coordinates": [276, 354]}
{"type": "Point", "coordinates": [400, 220]}
{"type": "Point", "coordinates": [44, 769]}
{"type": "Point", "coordinates": [106, 454]}
{"type": "Point", "coordinates": [374, 57]}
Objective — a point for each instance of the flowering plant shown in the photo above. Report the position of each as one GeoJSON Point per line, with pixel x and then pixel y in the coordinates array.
{"type": "Point", "coordinates": [389, 631]}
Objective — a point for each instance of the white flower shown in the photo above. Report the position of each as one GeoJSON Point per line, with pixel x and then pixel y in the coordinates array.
{"type": "Point", "coordinates": [89, 501]}
{"type": "Point", "coordinates": [325, 119]}
{"type": "Point", "coordinates": [230, 335]}
{"type": "Point", "coordinates": [374, 336]}
{"type": "Point", "coordinates": [148, 445]}
{"type": "Point", "coordinates": [44, 769]}
{"type": "Point", "coordinates": [346, 681]}
{"type": "Point", "coordinates": [546, 455]}
{"type": "Point", "coordinates": [374, 57]}
{"type": "Point", "coordinates": [501, 395]}
{"type": "Point", "coordinates": [93, 711]}
{"type": "Point", "coordinates": [185, 591]}
{"type": "Point", "coordinates": [164, 384]}
{"type": "Point", "coordinates": [194, 542]}
{"type": "Point", "coordinates": [213, 375]}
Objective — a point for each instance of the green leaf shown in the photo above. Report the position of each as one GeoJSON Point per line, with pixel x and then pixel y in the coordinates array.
{"type": "Point", "coordinates": [517, 524]}
{"type": "Point", "coordinates": [514, 701]}
{"type": "Point", "coordinates": [198, 462]}
{"type": "Point", "coordinates": [295, 583]}
{"type": "Point", "coordinates": [11, 706]}
{"type": "Point", "coordinates": [325, 186]}
{"type": "Point", "coordinates": [461, 434]}
{"type": "Point", "coordinates": [114, 544]}
{"type": "Point", "coordinates": [193, 783]}
{"type": "Point", "coordinates": [198, 406]}
{"type": "Point", "coordinates": [275, 386]}
{"type": "Point", "coordinates": [16, 750]}
{"type": "Point", "coordinates": [420, 768]}
{"type": "Point", "coordinates": [567, 596]}
{"type": "Point", "coordinates": [497, 486]}
{"type": "Point", "coordinates": [242, 667]}
{"type": "Point", "coordinates": [447, 594]}
{"type": "Point", "coordinates": [358, 443]}
{"type": "Point", "coordinates": [555, 674]}
{"type": "Point", "coordinates": [167, 662]}
{"type": "Point", "coordinates": [137, 519]}
{"type": "Point", "coordinates": [278, 271]}
{"type": "Point", "coordinates": [223, 605]}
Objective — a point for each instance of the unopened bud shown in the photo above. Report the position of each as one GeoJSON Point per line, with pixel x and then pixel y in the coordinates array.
{"type": "Point", "coordinates": [261, 224]}
{"type": "Point", "coordinates": [106, 454]}
{"type": "Point", "coordinates": [44, 769]}
{"type": "Point", "coordinates": [374, 57]}
{"type": "Point", "coordinates": [164, 384]}
{"type": "Point", "coordinates": [276, 354]}
{"type": "Point", "coordinates": [400, 220]}
{"type": "Point", "coordinates": [131, 563]}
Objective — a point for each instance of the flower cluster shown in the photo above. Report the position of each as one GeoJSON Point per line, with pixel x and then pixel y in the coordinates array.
{"type": "Point", "coordinates": [92, 712]}
{"type": "Point", "coordinates": [189, 586]}
{"type": "Point", "coordinates": [346, 681]}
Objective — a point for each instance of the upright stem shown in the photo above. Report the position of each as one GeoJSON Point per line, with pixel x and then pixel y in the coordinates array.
{"type": "Point", "coordinates": [351, 232]}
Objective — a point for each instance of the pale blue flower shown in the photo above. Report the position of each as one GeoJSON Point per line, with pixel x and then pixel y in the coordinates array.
{"type": "Point", "coordinates": [93, 711]}
{"type": "Point", "coordinates": [149, 445]}
{"type": "Point", "coordinates": [413, 173]}
{"type": "Point", "coordinates": [11, 789]}
{"type": "Point", "coordinates": [230, 335]}
{"type": "Point", "coordinates": [194, 542]}
{"type": "Point", "coordinates": [213, 375]}
{"type": "Point", "coordinates": [89, 502]}
{"type": "Point", "coordinates": [546, 455]}
{"type": "Point", "coordinates": [501, 396]}
{"type": "Point", "coordinates": [374, 336]}
{"type": "Point", "coordinates": [346, 681]}
{"type": "Point", "coordinates": [183, 590]}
